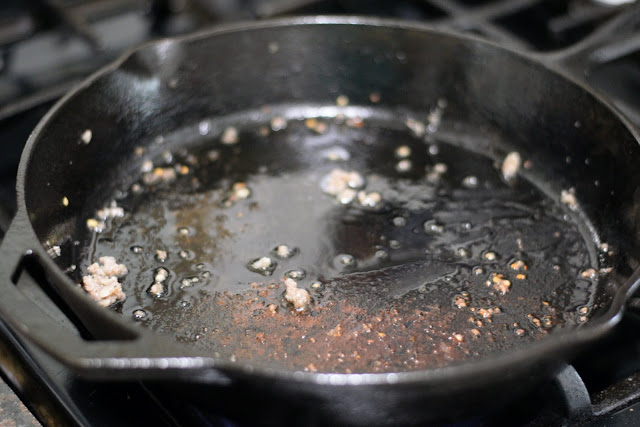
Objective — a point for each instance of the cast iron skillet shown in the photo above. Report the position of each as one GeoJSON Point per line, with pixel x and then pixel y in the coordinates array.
{"type": "Point", "coordinates": [504, 95]}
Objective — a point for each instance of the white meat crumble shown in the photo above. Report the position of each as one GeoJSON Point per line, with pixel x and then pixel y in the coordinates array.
{"type": "Point", "coordinates": [339, 180]}
{"type": "Point", "coordinates": [102, 282]}
{"type": "Point", "coordinates": [511, 165]}
{"type": "Point", "coordinates": [229, 136]}
{"type": "Point", "coordinates": [298, 297]}
{"type": "Point", "coordinates": [263, 263]}
{"type": "Point", "coordinates": [111, 211]}
{"type": "Point", "coordinates": [568, 197]}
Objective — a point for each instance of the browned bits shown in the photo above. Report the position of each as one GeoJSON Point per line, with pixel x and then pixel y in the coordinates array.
{"type": "Point", "coordinates": [490, 256]}
{"type": "Point", "coordinates": [520, 332]}
{"type": "Point", "coordinates": [284, 251]}
{"type": "Point", "coordinates": [109, 212]}
{"type": "Point", "coordinates": [485, 313]}
{"type": "Point", "coordinates": [534, 320]}
{"type": "Point", "coordinates": [95, 225]}
{"type": "Point", "coordinates": [458, 337]}
{"type": "Point", "coordinates": [316, 125]}
{"type": "Point", "coordinates": [418, 128]}
{"type": "Point", "coordinates": [53, 251]}
{"type": "Point", "coordinates": [583, 310]}
{"type": "Point", "coordinates": [355, 122]}
{"type": "Point", "coordinates": [338, 180]}
{"type": "Point", "coordinates": [335, 332]}
{"type": "Point", "coordinates": [500, 283]}
{"type": "Point", "coordinates": [369, 200]}
{"type": "Point", "coordinates": [146, 166]}
{"type": "Point", "coordinates": [511, 165]}
{"type": "Point", "coordinates": [159, 175]}
{"type": "Point", "coordinates": [188, 282]}
{"type": "Point", "coordinates": [316, 285]}
{"type": "Point", "coordinates": [102, 282]}
{"type": "Point", "coordinates": [263, 265]}
{"type": "Point", "coordinates": [404, 165]}
{"type": "Point", "coordinates": [434, 174]}
{"type": "Point", "coordinates": [239, 190]}
{"type": "Point", "coordinates": [589, 273]}
{"type": "Point", "coordinates": [518, 265]}
{"type": "Point", "coordinates": [86, 136]}
{"type": "Point", "coordinates": [229, 136]}
{"type": "Point", "coordinates": [462, 300]}
{"type": "Point", "coordinates": [342, 101]}
{"type": "Point", "coordinates": [156, 289]}
{"type": "Point", "coordinates": [475, 332]}
{"type": "Point", "coordinates": [298, 297]}
{"type": "Point", "coordinates": [568, 198]}
{"type": "Point", "coordinates": [310, 367]}
{"type": "Point", "coordinates": [402, 152]}
{"type": "Point", "coordinates": [521, 276]}
{"type": "Point", "coordinates": [161, 255]}
{"type": "Point", "coordinates": [278, 123]}
{"type": "Point", "coordinates": [273, 309]}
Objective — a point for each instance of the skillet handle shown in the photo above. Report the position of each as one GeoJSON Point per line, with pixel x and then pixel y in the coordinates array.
{"type": "Point", "coordinates": [614, 39]}
{"type": "Point", "coordinates": [144, 357]}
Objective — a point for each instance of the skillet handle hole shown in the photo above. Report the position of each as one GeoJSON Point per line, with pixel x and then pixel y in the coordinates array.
{"type": "Point", "coordinates": [30, 278]}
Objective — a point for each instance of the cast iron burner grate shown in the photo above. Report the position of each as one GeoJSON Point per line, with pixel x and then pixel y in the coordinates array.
{"type": "Point", "coordinates": [46, 46]}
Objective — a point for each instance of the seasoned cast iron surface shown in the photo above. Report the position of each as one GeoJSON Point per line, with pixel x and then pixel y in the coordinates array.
{"type": "Point", "coordinates": [453, 262]}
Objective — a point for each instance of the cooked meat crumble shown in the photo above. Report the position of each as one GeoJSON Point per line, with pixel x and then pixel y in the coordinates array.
{"type": "Point", "coordinates": [511, 165]}
{"type": "Point", "coordinates": [298, 297]}
{"type": "Point", "coordinates": [102, 282]}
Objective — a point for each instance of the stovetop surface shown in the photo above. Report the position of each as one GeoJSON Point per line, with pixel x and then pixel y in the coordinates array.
{"type": "Point", "coordinates": [47, 46]}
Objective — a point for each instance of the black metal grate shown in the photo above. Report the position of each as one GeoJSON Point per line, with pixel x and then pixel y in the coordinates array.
{"type": "Point", "coordinates": [46, 46]}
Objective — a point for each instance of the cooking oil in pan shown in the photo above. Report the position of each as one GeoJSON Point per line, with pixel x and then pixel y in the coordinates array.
{"type": "Point", "coordinates": [404, 255]}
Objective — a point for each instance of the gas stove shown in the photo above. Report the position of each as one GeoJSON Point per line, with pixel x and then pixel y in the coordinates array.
{"type": "Point", "coordinates": [47, 46]}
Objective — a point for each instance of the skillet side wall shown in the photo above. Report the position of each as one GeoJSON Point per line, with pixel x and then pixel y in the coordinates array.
{"type": "Point", "coordinates": [504, 99]}
{"type": "Point", "coordinates": [256, 401]}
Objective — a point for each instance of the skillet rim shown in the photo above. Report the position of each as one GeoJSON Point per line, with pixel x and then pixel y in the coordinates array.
{"type": "Point", "coordinates": [551, 347]}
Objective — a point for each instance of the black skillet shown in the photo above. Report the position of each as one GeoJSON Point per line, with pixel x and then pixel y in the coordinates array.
{"type": "Point", "coordinates": [507, 98]}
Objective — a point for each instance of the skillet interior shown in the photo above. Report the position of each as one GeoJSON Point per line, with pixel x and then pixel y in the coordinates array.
{"type": "Point", "coordinates": [172, 84]}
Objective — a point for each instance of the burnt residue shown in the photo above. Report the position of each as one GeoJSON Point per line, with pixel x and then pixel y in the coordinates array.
{"type": "Point", "coordinates": [452, 263]}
